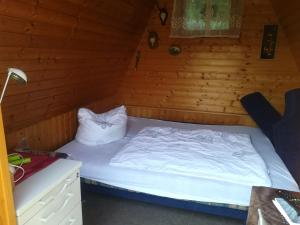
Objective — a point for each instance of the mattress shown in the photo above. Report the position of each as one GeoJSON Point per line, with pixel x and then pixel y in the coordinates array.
{"type": "Point", "coordinates": [95, 166]}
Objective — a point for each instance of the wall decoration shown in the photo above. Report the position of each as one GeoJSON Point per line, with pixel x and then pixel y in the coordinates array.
{"type": "Point", "coordinates": [174, 50]}
{"type": "Point", "coordinates": [153, 40]}
{"type": "Point", "coordinates": [163, 14]}
{"type": "Point", "coordinates": [269, 42]}
{"type": "Point", "coordinates": [137, 59]}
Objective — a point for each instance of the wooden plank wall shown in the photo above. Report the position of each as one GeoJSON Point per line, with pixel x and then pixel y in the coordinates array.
{"type": "Point", "coordinates": [289, 17]}
{"type": "Point", "coordinates": [204, 83]}
{"type": "Point", "coordinates": [52, 133]}
{"type": "Point", "coordinates": [73, 51]}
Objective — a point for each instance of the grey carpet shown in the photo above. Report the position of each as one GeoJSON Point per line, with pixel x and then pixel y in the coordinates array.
{"type": "Point", "coordinates": [105, 210]}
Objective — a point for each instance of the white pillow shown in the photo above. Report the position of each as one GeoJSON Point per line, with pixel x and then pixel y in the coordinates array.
{"type": "Point", "coordinates": [95, 129]}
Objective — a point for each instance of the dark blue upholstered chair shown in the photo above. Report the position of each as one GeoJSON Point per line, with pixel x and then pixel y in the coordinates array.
{"type": "Point", "coordinates": [287, 133]}
{"type": "Point", "coordinates": [283, 131]}
{"type": "Point", "coordinates": [262, 112]}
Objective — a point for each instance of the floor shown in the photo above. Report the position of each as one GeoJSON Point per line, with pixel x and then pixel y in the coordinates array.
{"type": "Point", "coordinates": [106, 210]}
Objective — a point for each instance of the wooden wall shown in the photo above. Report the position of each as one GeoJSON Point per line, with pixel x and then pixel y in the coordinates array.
{"type": "Point", "coordinates": [204, 83]}
{"type": "Point", "coordinates": [52, 133]}
{"type": "Point", "coordinates": [289, 17]}
{"type": "Point", "coordinates": [74, 53]}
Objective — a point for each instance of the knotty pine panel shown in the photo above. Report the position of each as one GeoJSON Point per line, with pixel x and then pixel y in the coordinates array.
{"type": "Point", "coordinates": [52, 133]}
{"type": "Point", "coordinates": [74, 53]}
{"type": "Point", "coordinates": [289, 17]}
{"type": "Point", "coordinates": [206, 81]}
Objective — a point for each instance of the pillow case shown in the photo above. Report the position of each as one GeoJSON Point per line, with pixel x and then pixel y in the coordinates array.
{"type": "Point", "coordinates": [95, 129]}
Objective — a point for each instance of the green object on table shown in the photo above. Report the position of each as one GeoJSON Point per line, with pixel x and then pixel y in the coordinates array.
{"type": "Point", "coordinates": [13, 157]}
{"type": "Point", "coordinates": [21, 161]}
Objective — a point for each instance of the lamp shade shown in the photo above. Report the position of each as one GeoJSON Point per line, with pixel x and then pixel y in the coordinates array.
{"type": "Point", "coordinates": [17, 74]}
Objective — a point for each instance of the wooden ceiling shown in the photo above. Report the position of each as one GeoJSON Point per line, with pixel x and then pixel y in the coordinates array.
{"type": "Point", "coordinates": [73, 51]}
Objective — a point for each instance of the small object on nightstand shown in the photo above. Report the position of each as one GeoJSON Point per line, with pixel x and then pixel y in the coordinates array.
{"type": "Point", "coordinates": [22, 161]}
{"type": "Point", "coordinates": [291, 199]}
{"type": "Point", "coordinates": [13, 157]}
{"type": "Point", "coordinates": [261, 198]}
{"type": "Point", "coordinates": [60, 155]}
{"type": "Point", "coordinates": [287, 211]}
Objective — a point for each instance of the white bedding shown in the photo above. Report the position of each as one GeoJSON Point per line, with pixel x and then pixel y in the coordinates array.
{"type": "Point", "coordinates": [200, 153]}
{"type": "Point", "coordinates": [96, 167]}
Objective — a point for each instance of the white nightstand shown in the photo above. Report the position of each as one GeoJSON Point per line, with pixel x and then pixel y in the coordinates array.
{"type": "Point", "coordinates": [51, 196]}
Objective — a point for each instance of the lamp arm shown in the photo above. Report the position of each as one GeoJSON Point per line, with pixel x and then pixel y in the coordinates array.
{"type": "Point", "coordinates": [4, 88]}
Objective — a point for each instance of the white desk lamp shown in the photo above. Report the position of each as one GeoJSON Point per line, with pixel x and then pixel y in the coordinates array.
{"type": "Point", "coordinates": [15, 74]}
{"type": "Point", "coordinates": [20, 76]}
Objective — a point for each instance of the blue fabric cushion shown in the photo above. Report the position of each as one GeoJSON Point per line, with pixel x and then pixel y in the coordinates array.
{"type": "Point", "coordinates": [262, 112]}
{"type": "Point", "coordinates": [287, 133]}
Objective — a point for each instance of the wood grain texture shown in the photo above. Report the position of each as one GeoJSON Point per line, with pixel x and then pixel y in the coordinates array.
{"type": "Point", "coordinates": [74, 53]}
{"type": "Point", "coordinates": [188, 116]}
{"type": "Point", "coordinates": [289, 17]}
{"type": "Point", "coordinates": [7, 210]}
{"type": "Point", "coordinates": [50, 134]}
{"type": "Point", "coordinates": [211, 74]}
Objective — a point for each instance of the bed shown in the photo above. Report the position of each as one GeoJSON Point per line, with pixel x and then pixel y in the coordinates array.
{"type": "Point", "coordinates": [181, 191]}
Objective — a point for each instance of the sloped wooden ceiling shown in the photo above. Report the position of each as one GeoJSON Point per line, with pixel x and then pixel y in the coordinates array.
{"type": "Point", "coordinates": [73, 51]}
{"type": "Point", "coordinates": [205, 82]}
{"type": "Point", "coordinates": [289, 17]}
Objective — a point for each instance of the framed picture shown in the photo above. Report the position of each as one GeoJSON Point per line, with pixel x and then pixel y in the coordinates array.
{"type": "Point", "coordinates": [269, 42]}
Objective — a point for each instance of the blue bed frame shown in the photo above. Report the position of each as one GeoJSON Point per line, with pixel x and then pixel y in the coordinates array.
{"type": "Point", "coordinates": [175, 203]}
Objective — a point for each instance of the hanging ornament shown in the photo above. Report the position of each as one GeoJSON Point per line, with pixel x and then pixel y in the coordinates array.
{"type": "Point", "coordinates": [163, 14]}
{"type": "Point", "coordinates": [153, 40]}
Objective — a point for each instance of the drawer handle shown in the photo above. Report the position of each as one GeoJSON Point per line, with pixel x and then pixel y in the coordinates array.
{"type": "Point", "coordinates": [72, 221]}
{"type": "Point", "coordinates": [65, 185]}
{"type": "Point", "coordinates": [50, 199]}
{"type": "Point", "coordinates": [46, 219]}
{"type": "Point", "coordinates": [66, 201]}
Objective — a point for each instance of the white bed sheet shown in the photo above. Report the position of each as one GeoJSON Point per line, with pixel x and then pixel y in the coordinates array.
{"type": "Point", "coordinates": [96, 167]}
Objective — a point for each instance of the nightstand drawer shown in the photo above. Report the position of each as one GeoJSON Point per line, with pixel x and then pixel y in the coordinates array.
{"type": "Point", "coordinates": [53, 197]}
{"type": "Point", "coordinates": [55, 210]}
{"type": "Point", "coordinates": [74, 217]}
